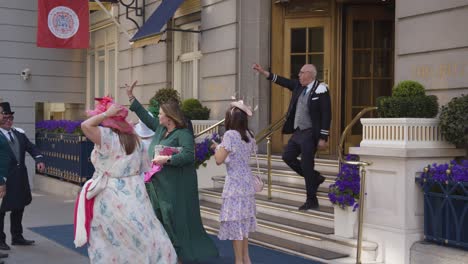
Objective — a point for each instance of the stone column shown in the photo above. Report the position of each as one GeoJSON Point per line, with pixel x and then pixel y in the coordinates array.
{"type": "Point", "coordinates": [254, 47]}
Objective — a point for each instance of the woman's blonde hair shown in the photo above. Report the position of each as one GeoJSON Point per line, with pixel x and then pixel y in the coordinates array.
{"type": "Point", "coordinates": [172, 110]}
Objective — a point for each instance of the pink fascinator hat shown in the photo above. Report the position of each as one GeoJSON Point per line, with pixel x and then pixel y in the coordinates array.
{"type": "Point", "coordinates": [118, 121]}
{"type": "Point", "coordinates": [245, 108]}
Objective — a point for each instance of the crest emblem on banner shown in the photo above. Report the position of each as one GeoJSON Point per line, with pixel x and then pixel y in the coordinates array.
{"type": "Point", "coordinates": [63, 22]}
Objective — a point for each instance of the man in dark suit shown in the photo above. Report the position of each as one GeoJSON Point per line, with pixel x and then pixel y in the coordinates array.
{"type": "Point", "coordinates": [18, 191]}
{"type": "Point", "coordinates": [308, 120]}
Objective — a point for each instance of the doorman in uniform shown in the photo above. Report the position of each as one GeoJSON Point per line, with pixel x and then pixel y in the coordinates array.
{"type": "Point", "coordinates": [18, 191]}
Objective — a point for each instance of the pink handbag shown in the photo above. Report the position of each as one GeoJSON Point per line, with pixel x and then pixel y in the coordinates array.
{"type": "Point", "coordinates": [258, 182]}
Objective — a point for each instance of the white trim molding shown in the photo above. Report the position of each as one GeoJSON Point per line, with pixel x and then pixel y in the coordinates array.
{"type": "Point", "coordinates": [402, 133]}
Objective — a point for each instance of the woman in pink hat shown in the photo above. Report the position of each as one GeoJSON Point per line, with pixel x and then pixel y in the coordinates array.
{"type": "Point", "coordinates": [121, 227]}
{"type": "Point", "coordinates": [238, 209]}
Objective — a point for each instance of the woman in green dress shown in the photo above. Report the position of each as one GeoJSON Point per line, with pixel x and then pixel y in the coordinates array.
{"type": "Point", "coordinates": [174, 190]}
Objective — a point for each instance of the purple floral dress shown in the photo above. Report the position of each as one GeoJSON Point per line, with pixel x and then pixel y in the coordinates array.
{"type": "Point", "coordinates": [238, 209]}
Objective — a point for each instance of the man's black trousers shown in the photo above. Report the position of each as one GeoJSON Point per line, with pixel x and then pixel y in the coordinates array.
{"type": "Point", "coordinates": [16, 228]}
{"type": "Point", "coordinates": [304, 143]}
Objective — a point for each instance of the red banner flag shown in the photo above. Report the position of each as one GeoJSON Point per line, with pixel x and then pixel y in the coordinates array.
{"type": "Point", "coordinates": [63, 24]}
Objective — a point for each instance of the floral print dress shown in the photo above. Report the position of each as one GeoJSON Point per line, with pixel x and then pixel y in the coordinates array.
{"type": "Point", "coordinates": [238, 209]}
{"type": "Point", "coordinates": [124, 228]}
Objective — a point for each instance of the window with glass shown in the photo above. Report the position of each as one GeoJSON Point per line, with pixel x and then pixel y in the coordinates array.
{"type": "Point", "coordinates": [307, 46]}
{"type": "Point", "coordinates": [187, 57]}
{"type": "Point", "coordinates": [102, 65]}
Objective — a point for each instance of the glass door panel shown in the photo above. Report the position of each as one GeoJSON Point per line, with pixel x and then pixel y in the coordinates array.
{"type": "Point", "coordinates": [318, 61]}
{"type": "Point", "coordinates": [307, 47]}
{"type": "Point", "coordinates": [361, 63]}
{"type": "Point", "coordinates": [316, 39]}
{"type": "Point", "coordinates": [369, 67]}
{"type": "Point", "coordinates": [361, 93]}
{"type": "Point", "coordinates": [381, 65]}
{"type": "Point", "coordinates": [298, 40]}
{"type": "Point", "coordinates": [361, 37]}
{"type": "Point", "coordinates": [296, 64]}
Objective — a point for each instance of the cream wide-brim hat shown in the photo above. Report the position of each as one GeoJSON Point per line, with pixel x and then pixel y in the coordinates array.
{"type": "Point", "coordinates": [142, 130]}
{"type": "Point", "coordinates": [245, 108]}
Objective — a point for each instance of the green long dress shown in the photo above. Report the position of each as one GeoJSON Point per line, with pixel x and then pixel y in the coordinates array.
{"type": "Point", "coordinates": [174, 192]}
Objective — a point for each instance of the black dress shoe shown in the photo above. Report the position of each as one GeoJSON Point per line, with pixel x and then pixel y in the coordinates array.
{"type": "Point", "coordinates": [4, 245]}
{"type": "Point", "coordinates": [309, 204]}
{"type": "Point", "coordinates": [22, 242]}
{"type": "Point", "coordinates": [3, 255]}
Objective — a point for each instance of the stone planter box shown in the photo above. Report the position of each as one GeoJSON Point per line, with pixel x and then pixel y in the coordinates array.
{"type": "Point", "coordinates": [345, 221]}
{"type": "Point", "coordinates": [205, 174]}
{"type": "Point", "coordinates": [406, 133]}
{"type": "Point", "coordinates": [397, 149]}
{"type": "Point", "coordinates": [67, 156]}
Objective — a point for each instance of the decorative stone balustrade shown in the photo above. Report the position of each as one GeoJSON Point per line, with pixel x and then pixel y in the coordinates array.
{"type": "Point", "coordinates": [402, 133]}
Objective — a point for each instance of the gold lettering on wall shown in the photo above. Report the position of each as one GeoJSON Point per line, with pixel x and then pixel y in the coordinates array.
{"type": "Point", "coordinates": [441, 71]}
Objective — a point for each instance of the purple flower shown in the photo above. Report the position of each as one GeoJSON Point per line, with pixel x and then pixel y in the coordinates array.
{"type": "Point", "coordinates": [59, 126]}
{"type": "Point", "coordinates": [452, 172]}
{"type": "Point", "coordinates": [203, 152]}
{"type": "Point", "coordinates": [345, 191]}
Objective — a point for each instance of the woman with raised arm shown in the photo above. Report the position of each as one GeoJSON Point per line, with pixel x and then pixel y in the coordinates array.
{"type": "Point", "coordinates": [122, 227]}
{"type": "Point", "coordinates": [174, 189]}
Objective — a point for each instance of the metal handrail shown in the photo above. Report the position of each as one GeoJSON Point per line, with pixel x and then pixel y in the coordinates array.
{"type": "Point", "coordinates": [272, 128]}
{"type": "Point", "coordinates": [266, 134]}
{"type": "Point", "coordinates": [362, 172]}
{"type": "Point", "coordinates": [217, 124]}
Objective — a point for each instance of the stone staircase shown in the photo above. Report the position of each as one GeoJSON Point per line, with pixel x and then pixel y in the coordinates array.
{"type": "Point", "coordinates": [281, 225]}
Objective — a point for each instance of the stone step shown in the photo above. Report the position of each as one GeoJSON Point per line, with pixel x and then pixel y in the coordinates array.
{"type": "Point", "coordinates": [290, 176]}
{"type": "Point", "coordinates": [282, 244]}
{"type": "Point", "coordinates": [281, 172]}
{"type": "Point", "coordinates": [286, 190]}
{"type": "Point", "coordinates": [298, 226]}
{"type": "Point", "coordinates": [279, 207]}
{"type": "Point", "coordinates": [325, 166]}
{"type": "Point", "coordinates": [310, 227]}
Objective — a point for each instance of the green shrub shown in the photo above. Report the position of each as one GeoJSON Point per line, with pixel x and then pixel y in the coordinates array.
{"type": "Point", "coordinates": [193, 109]}
{"type": "Point", "coordinates": [408, 89]}
{"type": "Point", "coordinates": [454, 121]}
{"type": "Point", "coordinates": [414, 106]}
{"type": "Point", "coordinates": [408, 99]}
{"type": "Point", "coordinates": [162, 95]}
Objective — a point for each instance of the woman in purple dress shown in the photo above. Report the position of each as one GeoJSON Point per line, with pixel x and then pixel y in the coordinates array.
{"type": "Point", "coordinates": [238, 210]}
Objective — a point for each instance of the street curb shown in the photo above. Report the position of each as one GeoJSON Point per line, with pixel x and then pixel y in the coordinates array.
{"type": "Point", "coordinates": [54, 186]}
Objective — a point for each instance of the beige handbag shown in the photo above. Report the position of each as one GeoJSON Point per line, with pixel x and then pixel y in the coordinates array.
{"type": "Point", "coordinates": [258, 182]}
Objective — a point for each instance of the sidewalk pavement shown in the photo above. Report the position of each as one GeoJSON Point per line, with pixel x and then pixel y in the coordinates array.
{"type": "Point", "coordinates": [45, 210]}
